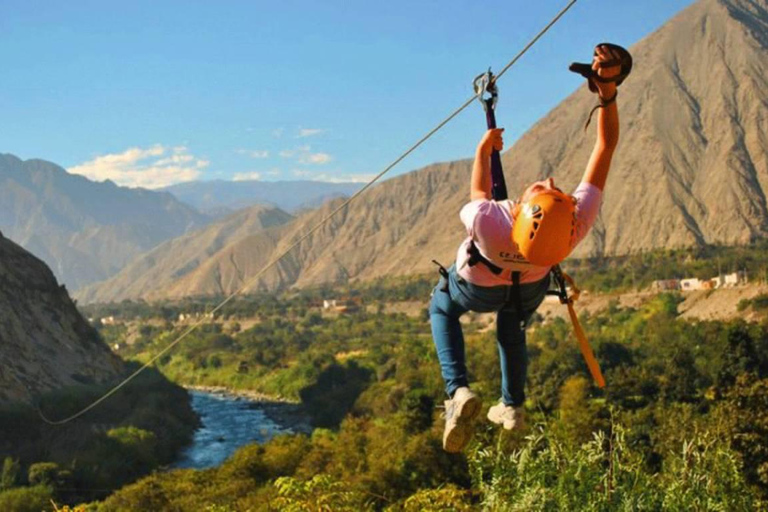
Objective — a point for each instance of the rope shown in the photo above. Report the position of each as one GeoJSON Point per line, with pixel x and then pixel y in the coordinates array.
{"type": "Point", "coordinates": [320, 224]}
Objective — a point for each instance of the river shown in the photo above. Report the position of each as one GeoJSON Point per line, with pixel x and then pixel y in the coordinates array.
{"type": "Point", "coordinates": [229, 422]}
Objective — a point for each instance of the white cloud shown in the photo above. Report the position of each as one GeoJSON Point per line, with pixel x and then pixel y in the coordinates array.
{"type": "Point", "coordinates": [310, 132]}
{"type": "Point", "coordinates": [246, 176]}
{"type": "Point", "coordinates": [278, 132]}
{"type": "Point", "coordinates": [304, 156]}
{"type": "Point", "coordinates": [295, 153]}
{"type": "Point", "coordinates": [254, 153]}
{"type": "Point", "coordinates": [315, 159]}
{"type": "Point", "coordinates": [153, 167]}
{"type": "Point", "coordinates": [333, 178]}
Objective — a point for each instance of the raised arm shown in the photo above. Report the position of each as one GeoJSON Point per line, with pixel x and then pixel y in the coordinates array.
{"type": "Point", "coordinates": [607, 123]}
{"type": "Point", "coordinates": [480, 185]}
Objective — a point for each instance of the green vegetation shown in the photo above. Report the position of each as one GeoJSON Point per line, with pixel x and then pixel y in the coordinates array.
{"type": "Point", "coordinates": [142, 427]}
{"type": "Point", "coordinates": [758, 303]}
{"type": "Point", "coordinates": [682, 425]}
{"type": "Point", "coordinates": [638, 271]}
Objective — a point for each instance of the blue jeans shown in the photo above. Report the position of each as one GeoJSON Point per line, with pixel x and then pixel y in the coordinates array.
{"type": "Point", "coordinates": [445, 309]}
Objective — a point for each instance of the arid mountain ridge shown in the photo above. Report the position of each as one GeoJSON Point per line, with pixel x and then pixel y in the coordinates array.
{"type": "Point", "coordinates": [88, 231]}
{"type": "Point", "coordinates": [691, 168]}
{"type": "Point", "coordinates": [85, 231]}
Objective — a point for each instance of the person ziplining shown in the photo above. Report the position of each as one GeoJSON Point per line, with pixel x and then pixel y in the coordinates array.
{"type": "Point", "coordinates": [585, 69]}
{"type": "Point", "coordinates": [511, 247]}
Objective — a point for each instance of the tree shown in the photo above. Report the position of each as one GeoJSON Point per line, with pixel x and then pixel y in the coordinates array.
{"type": "Point", "coordinates": [579, 417]}
{"type": "Point", "coordinates": [740, 357]}
{"type": "Point", "coordinates": [418, 407]}
{"type": "Point", "coordinates": [9, 477]}
{"type": "Point", "coordinates": [746, 406]}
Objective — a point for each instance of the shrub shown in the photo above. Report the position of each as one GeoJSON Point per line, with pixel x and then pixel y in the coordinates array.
{"type": "Point", "coordinates": [321, 492]}
{"type": "Point", "coordinates": [26, 499]}
{"type": "Point", "coordinates": [43, 473]}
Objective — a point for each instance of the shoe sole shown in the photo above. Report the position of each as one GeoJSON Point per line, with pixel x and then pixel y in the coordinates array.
{"type": "Point", "coordinates": [460, 435]}
{"type": "Point", "coordinates": [507, 425]}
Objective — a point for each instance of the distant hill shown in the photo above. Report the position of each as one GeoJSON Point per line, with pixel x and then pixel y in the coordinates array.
{"type": "Point", "coordinates": [691, 168]}
{"type": "Point", "coordinates": [220, 196]}
{"type": "Point", "coordinates": [45, 343]}
{"type": "Point", "coordinates": [85, 231]}
{"type": "Point", "coordinates": [183, 256]}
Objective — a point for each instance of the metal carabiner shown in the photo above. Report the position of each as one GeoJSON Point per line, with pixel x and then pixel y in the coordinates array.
{"type": "Point", "coordinates": [484, 84]}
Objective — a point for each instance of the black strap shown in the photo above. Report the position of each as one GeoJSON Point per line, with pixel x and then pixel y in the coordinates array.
{"type": "Point", "coordinates": [516, 292]}
{"type": "Point", "coordinates": [602, 104]}
{"type": "Point", "coordinates": [561, 292]}
{"type": "Point", "coordinates": [498, 184]}
{"type": "Point", "coordinates": [475, 257]}
{"type": "Point", "coordinates": [443, 273]}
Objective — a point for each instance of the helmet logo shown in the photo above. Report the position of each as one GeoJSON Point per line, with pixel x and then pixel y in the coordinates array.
{"type": "Point", "coordinates": [530, 210]}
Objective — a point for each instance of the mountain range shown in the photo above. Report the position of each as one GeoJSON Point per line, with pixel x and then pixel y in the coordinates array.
{"type": "Point", "coordinates": [85, 231]}
{"type": "Point", "coordinates": [691, 168]}
{"type": "Point", "coordinates": [219, 196]}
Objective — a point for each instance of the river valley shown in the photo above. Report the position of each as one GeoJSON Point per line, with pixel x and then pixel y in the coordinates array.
{"type": "Point", "coordinates": [230, 422]}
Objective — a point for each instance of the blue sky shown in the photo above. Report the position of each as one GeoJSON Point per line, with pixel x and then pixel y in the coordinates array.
{"type": "Point", "coordinates": [152, 93]}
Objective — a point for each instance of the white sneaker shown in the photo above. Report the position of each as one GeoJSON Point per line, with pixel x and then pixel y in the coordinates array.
{"type": "Point", "coordinates": [511, 418]}
{"type": "Point", "coordinates": [460, 414]}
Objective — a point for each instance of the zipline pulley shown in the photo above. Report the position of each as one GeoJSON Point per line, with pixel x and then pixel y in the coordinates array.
{"type": "Point", "coordinates": [485, 88]}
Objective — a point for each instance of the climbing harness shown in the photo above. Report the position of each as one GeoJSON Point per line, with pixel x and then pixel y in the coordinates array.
{"type": "Point", "coordinates": [624, 59]}
{"type": "Point", "coordinates": [253, 280]}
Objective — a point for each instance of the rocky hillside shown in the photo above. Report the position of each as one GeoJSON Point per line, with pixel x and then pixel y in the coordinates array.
{"type": "Point", "coordinates": [692, 165]}
{"type": "Point", "coordinates": [44, 341]}
{"type": "Point", "coordinates": [691, 168]}
{"type": "Point", "coordinates": [85, 231]}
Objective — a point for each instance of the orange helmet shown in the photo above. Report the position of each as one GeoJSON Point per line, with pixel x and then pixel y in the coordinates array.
{"type": "Point", "coordinates": [545, 228]}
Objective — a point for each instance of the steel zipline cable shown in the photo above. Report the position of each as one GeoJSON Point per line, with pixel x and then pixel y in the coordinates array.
{"type": "Point", "coordinates": [309, 233]}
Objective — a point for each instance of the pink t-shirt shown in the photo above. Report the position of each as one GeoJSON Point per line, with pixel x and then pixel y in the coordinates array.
{"type": "Point", "coordinates": [489, 223]}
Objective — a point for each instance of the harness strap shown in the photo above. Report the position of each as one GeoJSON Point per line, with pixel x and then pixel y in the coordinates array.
{"type": "Point", "coordinates": [589, 357]}
{"type": "Point", "coordinates": [475, 257]}
{"type": "Point", "coordinates": [601, 104]}
{"type": "Point", "coordinates": [444, 274]}
{"type": "Point", "coordinates": [516, 291]}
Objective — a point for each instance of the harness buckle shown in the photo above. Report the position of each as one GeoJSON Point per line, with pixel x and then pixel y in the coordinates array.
{"type": "Point", "coordinates": [562, 292]}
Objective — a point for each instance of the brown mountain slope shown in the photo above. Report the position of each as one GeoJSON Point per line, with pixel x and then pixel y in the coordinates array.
{"type": "Point", "coordinates": [691, 168]}
{"type": "Point", "coordinates": [691, 165]}
{"type": "Point", "coordinates": [44, 341]}
{"type": "Point", "coordinates": [84, 230]}
{"type": "Point", "coordinates": [177, 258]}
